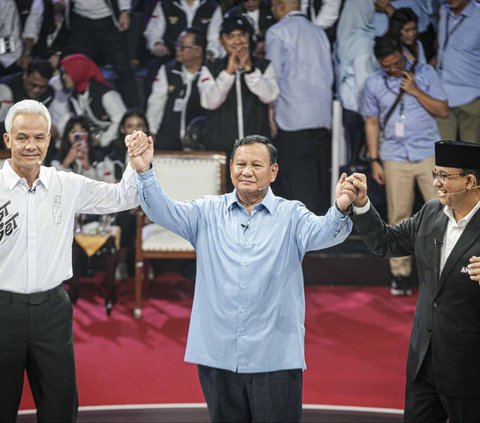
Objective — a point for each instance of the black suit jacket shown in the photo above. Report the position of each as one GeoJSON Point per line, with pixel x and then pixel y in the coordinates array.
{"type": "Point", "coordinates": [447, 314]}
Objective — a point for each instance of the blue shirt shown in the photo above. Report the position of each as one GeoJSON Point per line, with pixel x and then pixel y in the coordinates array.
{"type": "Point", "coordinates": [249, 308]}
{"type": "Point", "coordinates": [421, 131]}
{"type": "Point", "coordinates": [459, 63]}
{"type": "Point", "coordinates": [300, 54]}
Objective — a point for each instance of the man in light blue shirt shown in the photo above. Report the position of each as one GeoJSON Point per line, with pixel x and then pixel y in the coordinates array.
{"type": "Point", "coordinates": [247, 326]}
{"type": "Point", "coordinates": [406, 153]}
{"type": "Point", "coordinates": [458, 64]}
{"type": "Point", "coordinates": [300, 54]}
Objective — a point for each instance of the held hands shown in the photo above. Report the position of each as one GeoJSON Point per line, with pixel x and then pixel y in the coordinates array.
{"type": "Point", "coordinates": [140, 150]}
{"type": "Point", "coordinates": [351, 189]}
{"type": "Point", "coordinates": [474, 269]}
{"type": "Point", "coordinates": [345, 192]}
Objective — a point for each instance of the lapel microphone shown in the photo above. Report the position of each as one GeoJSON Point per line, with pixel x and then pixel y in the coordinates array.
{"type": "Point", "coordinates": [462, 191]}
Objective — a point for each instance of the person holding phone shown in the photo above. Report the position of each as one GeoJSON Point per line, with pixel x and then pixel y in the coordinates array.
{"type": "Point", "coordinates": [77, 152]}
{"type": "Point", "coordinates": [400, 138]}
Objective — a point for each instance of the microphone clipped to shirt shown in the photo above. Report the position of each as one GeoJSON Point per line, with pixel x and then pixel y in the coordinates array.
{"type": "Point", "coordinates": [32, 190]}
{"type": "Point", "coordinates": [245, 226]}
{"type": "Point", "coordinates": [437, 243]}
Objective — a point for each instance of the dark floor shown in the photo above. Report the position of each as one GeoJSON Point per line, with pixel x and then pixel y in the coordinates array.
{"type": "Point", "coordinates": [200, 415]}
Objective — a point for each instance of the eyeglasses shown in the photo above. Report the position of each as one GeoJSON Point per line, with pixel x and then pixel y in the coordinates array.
{"type": "Point", "coordinates": [181, 46]}
{"type": "Point", "coordinates": [442, 177]}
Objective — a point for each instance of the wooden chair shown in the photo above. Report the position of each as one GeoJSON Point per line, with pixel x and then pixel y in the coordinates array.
{"type": "Point", "coordinates": [183, 176]}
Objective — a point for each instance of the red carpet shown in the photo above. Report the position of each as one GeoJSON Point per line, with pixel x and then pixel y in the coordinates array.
{"type": "Point", "coordinates": [356, 347]}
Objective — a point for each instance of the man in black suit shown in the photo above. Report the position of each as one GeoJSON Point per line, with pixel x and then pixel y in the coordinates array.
{"type": "Point", "coordinates": [443, 370]}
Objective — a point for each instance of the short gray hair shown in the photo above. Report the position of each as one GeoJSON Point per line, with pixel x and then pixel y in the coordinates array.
{"type": "Point", "coordinates": [26, 107]}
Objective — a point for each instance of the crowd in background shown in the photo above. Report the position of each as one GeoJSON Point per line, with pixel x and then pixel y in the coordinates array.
{"type": "Point", "coordinates": [199, 74]}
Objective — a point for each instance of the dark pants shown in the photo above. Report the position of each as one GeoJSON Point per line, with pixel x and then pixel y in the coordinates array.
{"type": "Point", "coordinates": [90, 36]}
{"type": "Point", "coordinates": [36, 336]}
{"type": "Point", "coordinates": [423, 403]}
{"type": "Point", "coordinates": [304, 159]}
{"type": "Point", "coordinates": [252, 397]}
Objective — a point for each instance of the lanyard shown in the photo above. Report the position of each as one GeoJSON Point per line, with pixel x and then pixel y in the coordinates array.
{"type": "Point", "coordinates": [402, 100]}
{"type": "Point", "coordinates": [447, 32]}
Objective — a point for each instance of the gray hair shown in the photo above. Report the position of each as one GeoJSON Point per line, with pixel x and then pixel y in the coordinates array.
{"type": "Point", "coordinates": [26, 107]}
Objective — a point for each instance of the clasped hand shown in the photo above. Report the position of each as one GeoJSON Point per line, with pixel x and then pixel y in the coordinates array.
{"type": "Point", "coordinates": [351, 189]}
{"type": "Point", "coordinates": [140, 150]}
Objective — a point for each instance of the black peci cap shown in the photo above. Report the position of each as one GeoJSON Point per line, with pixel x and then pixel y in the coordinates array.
{"type": "Point", "coordinates": [462, 155]}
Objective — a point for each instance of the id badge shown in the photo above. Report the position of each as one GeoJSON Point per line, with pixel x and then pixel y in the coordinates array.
{"type": "Point", "coordinates": [400, 129]}
{"type": "Point", "coordinates": [178, 105]}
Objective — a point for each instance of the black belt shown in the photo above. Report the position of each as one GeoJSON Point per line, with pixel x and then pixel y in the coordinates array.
{"type": "Point", "coordinates": [34, 298]}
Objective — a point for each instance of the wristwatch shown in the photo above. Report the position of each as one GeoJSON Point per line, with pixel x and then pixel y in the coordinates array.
{"type": "Point", "coordinates": [347, 212]}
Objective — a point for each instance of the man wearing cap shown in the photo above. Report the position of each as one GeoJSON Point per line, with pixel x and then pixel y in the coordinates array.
{"type": "Point", "coordinates": [443, 375]}
{"type": "Point", "coordinates": [237, 89]}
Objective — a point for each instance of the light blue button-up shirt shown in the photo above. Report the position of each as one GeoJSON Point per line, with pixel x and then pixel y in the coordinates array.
{"type": "Point", "coordinates": [249, 308]}
{"type": "Point", "coordinates": [300, 54]}
{"type": "Point", "coordinates": [459, 63]}
{"type": "Point", "coordinates": [421, 130]}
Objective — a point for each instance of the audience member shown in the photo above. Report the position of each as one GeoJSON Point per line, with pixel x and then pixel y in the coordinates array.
{"type": "Point", "coordinates": [300, 54]}
{"type": "Point", "coordinates": [170, 18]}
{"type": "Point", "coordinates": [260, 17]}
{"type": "Point", "coordinates": [404, 26]}
{"type": "Point", "coordinates": [355, 61]}
{"type": "Point", "coordinates": [99, 26]}
{"type": "Point", "coordinates": [323, 13]}
{"type": "Point", "coordinates": [247, 327]}
{"type": "Point", "coordinates": [29, 84]}
{"type": "Point", "coordinates": [175, 99]}
{"type": "Point", "coordinates": [399, 107]}
{"type": "Point", "coordinates": [236, 90]}
{"type": "Point", "coordinates": [443, 376]}
{"type": "Point", "coordinates": [10, 30]}
{"type": "Point", "coordinates": [77, 152]}
{"type": "Point", "coordinates": [54, 34]}
{"type": "Point", "coordinates": [83, 91]}
{"type": "Point", "coordinates": [458, 64]}
{"type": "Point", "coordinates": [427, 13]}
{"type": "Point", "coordinates": [31, 17]}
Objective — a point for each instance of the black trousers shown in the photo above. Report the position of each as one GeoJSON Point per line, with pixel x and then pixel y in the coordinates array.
{"type": "Point", "coordinates": [36, 337]}
{"type": "Point", "coordinates": [304, 159]}
{"type": "Point", "coordinates": [90, 36]}
{"type": "Point", "coordinates": [423, 402]}
{"type": "Point", "coordinates": [252, 397]}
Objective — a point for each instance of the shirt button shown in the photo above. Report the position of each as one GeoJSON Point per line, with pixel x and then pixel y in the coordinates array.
{"type": "Point", "coordinates": [435, 304]}
{"type": "Point", "coordinates": [429, 329]}
{"type": "Point", "coordinates": [243, 287]}
{"type": "Point", "coordinates": [244, 263]}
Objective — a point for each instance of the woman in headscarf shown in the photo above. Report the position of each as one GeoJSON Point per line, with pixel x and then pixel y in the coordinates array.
{"type": "Point", "coordinates": [92, 96]}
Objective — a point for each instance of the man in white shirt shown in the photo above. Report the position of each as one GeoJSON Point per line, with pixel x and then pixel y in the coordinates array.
{"type": "Point", "coordinates": [37, 211]}
{"type": "Point", "coordinates": [443, 375]}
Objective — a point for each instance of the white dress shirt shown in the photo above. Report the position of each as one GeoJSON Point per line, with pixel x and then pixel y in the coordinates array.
{"type": "Point", "coordinates": [36, 225]}
{"type": "Point", "coordinates": [453, 232]}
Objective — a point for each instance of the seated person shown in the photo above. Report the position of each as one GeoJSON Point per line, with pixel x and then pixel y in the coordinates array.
{"type": "Point", "coordinates": [83, 91]}
{"type": "Point", "coordinates": [175, 100]}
